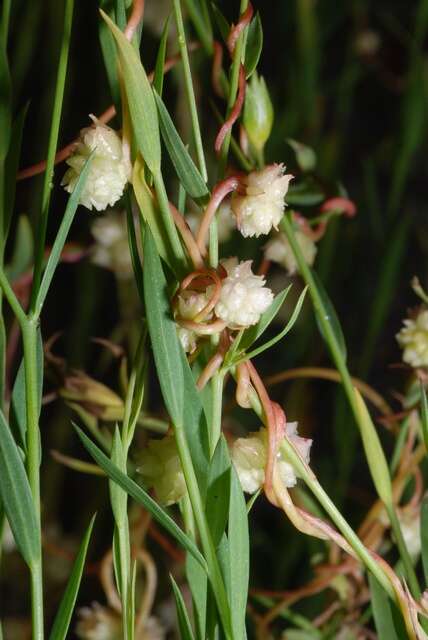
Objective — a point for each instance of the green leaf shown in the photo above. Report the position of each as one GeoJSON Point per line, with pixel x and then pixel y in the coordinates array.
{"type": "Point", "coordinates": [277, 338]}
{"type": "Point", "coordinates": [424, 536]}
{"type": "Point", "coordinates": [61, 237]}
{"type": "Point", "coordinates": [253, 333]}
{"type": "Point", "coordinates": [198, 583]}
{"type": "Point", "coordinates": [117, 495]}
{"type": "Point", "coordinates": [186, 169]}
{"type": "Point", "coordinates": [141, 103]}
{"type": "Point", "coordinates": [177, 384]}
{"type": "Point", "coordinates": [149, 212]}
{"type": "Point", "coordinates": [5, 95]}
{"type": "Point", "coordinates": [254, 45]}
{"type": "Point", "coordinates": [424, 415]}
{"type": "Point", "coordinates": [133, 248]}
{"type": "Point", "coordinates": [16, 496]}
{"type": "Point", "coordinates": [65, 611]}
{"type": "Point", "coordinates": [239, 553]}
{"type": "Point", "coordinates": [330, 316]}
{"type": "Point", "coordinates": [108, 50]}
{"type": "Point", "coordinates": [217, 505]}
{"type": "Point", "coordinates": [184, 625]}
{"type": "Point", "coordinates": [11, 166]}
{"type": "Point", "coordinates": [160, 59]}
{"type": "Point", "coordinates": [23, 249]}
{"type": "Point", "coordinates": [381, 611]}
{"type": "Point", "coordinates": [140, 496]}
{"type": "Point", "coordinates": [18, 411]}
{"type": "Point", "coordinates": [374, 453]}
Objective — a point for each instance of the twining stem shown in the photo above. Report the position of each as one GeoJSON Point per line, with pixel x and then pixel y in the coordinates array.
{"type": "Point", "coordinates": [189, 90]}
{"type": "Point", "coordinates": [52, 146]}
{"type": "Point", "coordinates": [174, 240]}
{"type": "Point", "coordinates": [238, 53]}
{"type": "Point", "coordinates": [336, 353]}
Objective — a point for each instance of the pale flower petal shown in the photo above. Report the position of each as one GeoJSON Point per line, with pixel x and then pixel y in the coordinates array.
{"type": "Point", "coordinates": [413, 339]}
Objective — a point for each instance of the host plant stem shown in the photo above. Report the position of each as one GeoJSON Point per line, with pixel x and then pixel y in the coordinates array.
{"type": "Point", "coordinates": [29, 337]}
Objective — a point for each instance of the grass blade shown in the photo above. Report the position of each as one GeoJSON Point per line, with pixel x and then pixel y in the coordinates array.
{"type": "Point", "coordinates": [184, 625]}
{"type": "Point", "coordinates": [70, 211]}
{"type": "Point", "coordinates": [16, 496]}
{"type": "Point", "coordinates": [141, 103]}
{"type": "Point", "coordinates": [160, 59]}
{"type": "Point", "coordinates": [186, 169]}
{"type": "Point", "coordinates": [254, 332]}
{"type": "Point", "coordinates": [65, 611]}
{"type": "Point", "coordinates": [239, 553]}
{"type": "Point", "coordinates": [140, 496]}
{"type": "Point", "coordinates": [382, 611]}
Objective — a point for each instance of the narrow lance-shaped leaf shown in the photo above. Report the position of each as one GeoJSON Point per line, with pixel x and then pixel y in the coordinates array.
{"type": "Point", "coordinates": [66, 608]}
{"type": "Point", "coordinates": [184, 625]}
{"type": "Point", "coordinates": [382, 611]}
{"type": "Point", "coordinates": [178, 387]}
{"type": "Point", "coordinates": [141, 103]}
{"type": "Point", "coordinates": [239, 552]}
{"type": "Point", "coordinates": [58, 245]}
{"type": "Point", "coordinates": [254, 45]}
{"type": "Point", "coordinates": [424, 536]}
{"type": "Point", "coordinates": [160, 59]}
{"type": "Point", "coordinates": [330, 316]}
{"type": "Point", "coordinates": [253, 333]}
{"type": "Point", "coordinates": [140, 496]}
{"type": "Point", "coordinates": [16, 496]}
{"type": "Point", "coordinates": [186, 169]}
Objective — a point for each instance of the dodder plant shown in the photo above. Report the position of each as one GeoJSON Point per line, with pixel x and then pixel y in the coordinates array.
{"type": "Point", "coordinates": [204, 320]}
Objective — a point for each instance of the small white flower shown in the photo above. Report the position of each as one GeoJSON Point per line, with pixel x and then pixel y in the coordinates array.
{"type": "Point", "coordinates": [243, 296]}
{"type": "Point", "coordinates": [278, 250]}
{"type": "Point", "coordinates": [109, 171]}
{"type": "Point", "coordinates": [413, 339]}
{"type": "Point", "coordinates": [226, 222]}
{"type": "Point", "coordinates": [161, 469]}
{"type": "Point", "coordinates": [410, 523]}
{"type": "Point", "coordinates": [249, 458]}
{"type": "Point", "coordinates": [262, 205]}
{"type": "Point", "coordinates": [98, 623]}
{"type": "Point", "coordinates": [102, 623]}
{"type": "Point", "coordinates": [111, 249]}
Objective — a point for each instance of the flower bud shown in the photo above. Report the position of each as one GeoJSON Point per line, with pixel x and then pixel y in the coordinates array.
{"type": "Point", "coordinates": [94, 396]}
{"type": "Point", "coordinates": [258, 112]}
{"type": "Point", "coordinates": [161, 469]}
{"type": "Point", "coordinates": [243, 296]}
{"type": "Point", "coordinates": [109, 171]}
{"type": "Point", "coordinates": [410, 523]}
{"type": "Point", "coordinates": [111, 249]}
{"type": "Point", "coordinates": [278, 250]}
{"type": "Point", "coordinates": [249, 456]}
{"type": "Point", "coordinates": [190, 303]}
{"type": "Point", "coordinates": [261, 207]}
{"type": "Point", "coordinates": [413, 339]}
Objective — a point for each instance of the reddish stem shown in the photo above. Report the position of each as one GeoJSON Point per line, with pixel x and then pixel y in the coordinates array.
{"type": "Point", "coordinates": [235, 113]}
{"type": "Point", "coordinates": [216, 68]}
{"type": "Point", "coordinates": [342, 204]}
{"type": "Point", "coordinates": [237, 29]}
{"type": "Point", "coordinates": [220, 191]}
{"type": "Point", "coordinates": [134, 19]}
{"type": "Point", "coordinates": [187, 236]}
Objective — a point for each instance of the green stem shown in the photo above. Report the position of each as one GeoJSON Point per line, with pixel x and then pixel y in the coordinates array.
{"type": "Point", "coordinates": [29, 337]}
{"type": "Point", "coordinates": [52, 146]}
{"type": "Point", "coordinates": [217, 403]}
{"type": "Point", "coordinates": [189, 89]}
{"type": "Point", "coordinates": [37, 601]}
{"type": "Point", "coordinates": [174, 240]}
{"type": "Point", "coordinates": [214, 571]}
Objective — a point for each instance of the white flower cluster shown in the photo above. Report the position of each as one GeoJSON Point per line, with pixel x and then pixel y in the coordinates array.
{"type": "Point", "coordinates": [109, 172]}
{"type": "Point", "coordinates": [249, 456]}
{"type": "Point", "coordinates": [161, 469]}
{"type": "Point", "coordinates": [111, 249]}
{"type": "Point", "coordinates": [101, 623]}
{"type": "Point", "coordinates": [413, 339]}
{"type": "Point", "coordinates": [278, 250]}
{"type": "Point", "coordinates": [243, 296]}
{"type": "Point", "coordinates": [261, 207]}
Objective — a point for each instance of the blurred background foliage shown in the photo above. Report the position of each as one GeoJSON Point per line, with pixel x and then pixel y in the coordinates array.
{"type": "Point", "coordinates": [350, 80]}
